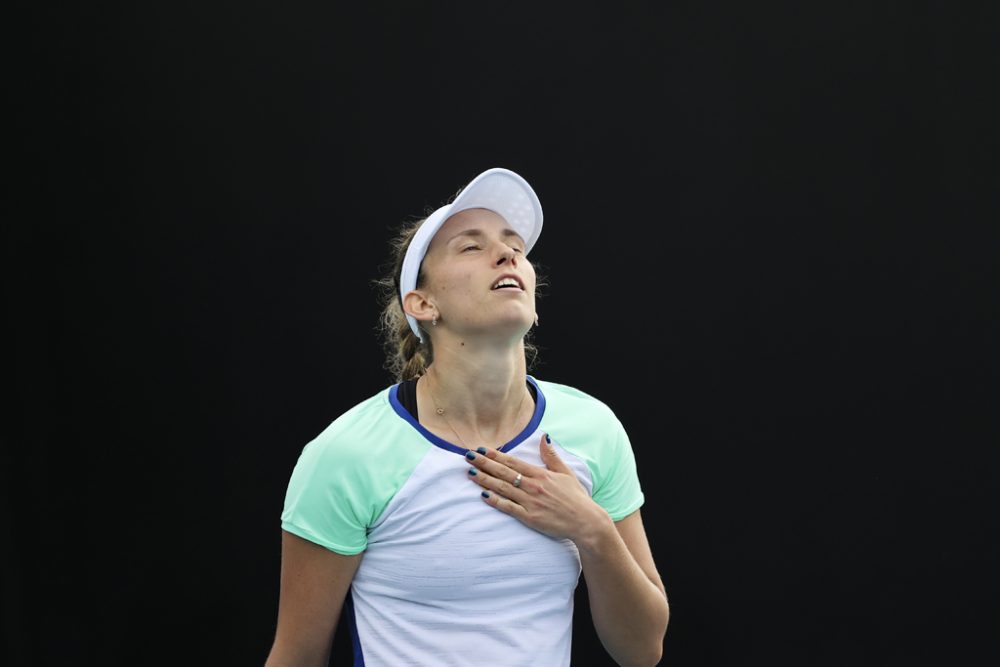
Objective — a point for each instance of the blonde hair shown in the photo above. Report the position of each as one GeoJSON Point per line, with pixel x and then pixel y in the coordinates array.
{"type": "Point", "coordinates": [406, 358]}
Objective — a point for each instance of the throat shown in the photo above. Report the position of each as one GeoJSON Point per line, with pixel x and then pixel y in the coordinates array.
{"type": "Point", "coordinates": [457, 424]}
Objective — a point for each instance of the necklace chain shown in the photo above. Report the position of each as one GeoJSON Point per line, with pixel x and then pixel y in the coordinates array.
{"type": "Point", "coordinates": [440, 411]}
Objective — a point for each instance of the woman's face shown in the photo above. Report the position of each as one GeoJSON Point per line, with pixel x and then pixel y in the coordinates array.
{"type": "Point", "coordinates": [478, 277]}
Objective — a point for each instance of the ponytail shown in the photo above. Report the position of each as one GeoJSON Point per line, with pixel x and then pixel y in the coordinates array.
{"type": "Point", "coordinates": [406, 358]}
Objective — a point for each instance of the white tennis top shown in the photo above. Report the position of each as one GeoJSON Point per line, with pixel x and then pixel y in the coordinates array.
{"type": "Point", "coordinates": [446, 579]}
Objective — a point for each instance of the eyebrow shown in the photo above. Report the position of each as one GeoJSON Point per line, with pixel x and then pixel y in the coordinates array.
{"type": "Point", "coordinates": [507, 232]}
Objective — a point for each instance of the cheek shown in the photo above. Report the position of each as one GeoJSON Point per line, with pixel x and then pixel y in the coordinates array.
{"type": "Point", "coordinates": [456, 283]}
{"type": "Point", "coordinates": [532, 279]}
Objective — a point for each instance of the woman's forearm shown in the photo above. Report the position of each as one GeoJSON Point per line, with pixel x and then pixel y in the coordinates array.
{"type": "Point", "coordinates": [629, 610]}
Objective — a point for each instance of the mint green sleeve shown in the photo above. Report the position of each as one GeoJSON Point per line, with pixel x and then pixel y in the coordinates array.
{"type": "Point", "coordinates": [616, 480]}
{"type": "Point", "coordinates": [346, 477]}
{"type": "Point", "coordinates": [324, 502]}
{"type": "Point", "coordinates": [587, 428]}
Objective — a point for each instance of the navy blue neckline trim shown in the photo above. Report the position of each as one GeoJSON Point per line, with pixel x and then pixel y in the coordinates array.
{"type": "Point", "coordinates": [532, 426]}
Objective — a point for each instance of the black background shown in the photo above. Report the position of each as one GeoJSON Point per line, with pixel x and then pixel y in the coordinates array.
{"type": "Point", "coordinates": [771, 242]}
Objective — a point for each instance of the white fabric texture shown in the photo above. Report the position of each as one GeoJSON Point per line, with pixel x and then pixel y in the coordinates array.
{"type": "Point", "coordinates": [477, 581]}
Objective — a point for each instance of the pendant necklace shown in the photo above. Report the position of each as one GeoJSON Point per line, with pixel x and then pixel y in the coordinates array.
{"type": "Point", "coordinates": [440, 411]}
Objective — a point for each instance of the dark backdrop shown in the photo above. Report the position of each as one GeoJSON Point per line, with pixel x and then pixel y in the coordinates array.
{"type": "Point", "coordinates": [771, 248]}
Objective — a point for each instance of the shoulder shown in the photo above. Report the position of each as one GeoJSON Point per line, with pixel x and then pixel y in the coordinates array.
{"type": "Point", "coordinates": [346, 476]}
{"type": "Point", "coordinates": [361, 458]}
{"type": "Point", "coordinates": [362, 433]}
{"type": "Point", "coordinates": [573, 412]}
{"type": "Point", "coordinates": [564, 397]}
{"type": "Point", "coordinates": [369, 411]}
{"type": "Point", "coordinates": [588, 429]}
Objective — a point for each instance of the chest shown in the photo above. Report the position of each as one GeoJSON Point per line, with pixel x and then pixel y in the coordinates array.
{"type": "Point", "coordinates": [438, 541]}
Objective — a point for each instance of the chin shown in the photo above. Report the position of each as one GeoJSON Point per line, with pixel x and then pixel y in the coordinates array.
{"type": "Point", "coordinates": [514, 327]}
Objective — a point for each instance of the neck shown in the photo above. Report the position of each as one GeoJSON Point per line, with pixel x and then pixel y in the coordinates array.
{"type": "Point", "coordinates": [482, 391]}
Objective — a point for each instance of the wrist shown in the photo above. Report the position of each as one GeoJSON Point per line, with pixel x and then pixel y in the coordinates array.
{"type": "Point", "coordinates": [596, 533]}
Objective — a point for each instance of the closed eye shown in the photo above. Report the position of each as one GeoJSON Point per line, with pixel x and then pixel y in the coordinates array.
{"type": "Point", "coordinates": [470, 247]}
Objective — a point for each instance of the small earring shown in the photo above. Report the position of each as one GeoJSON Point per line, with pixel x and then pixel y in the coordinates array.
{"type": "Point", "coordinates": [434, 322]}
{"type": "Point", "coordinates": [536, 319]}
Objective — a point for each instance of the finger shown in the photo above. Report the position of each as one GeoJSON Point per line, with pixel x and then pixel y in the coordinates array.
{"type": "Point", "coordinates": [504, 505]}
{"type": "Point", "coordinates": [501, 469]}
{"type": "Point", "coordinates": [550, 457]}
{"type": "Point", "coordinates": [518, 494]}
{"type": "Point", "coordinates": [511, 462]}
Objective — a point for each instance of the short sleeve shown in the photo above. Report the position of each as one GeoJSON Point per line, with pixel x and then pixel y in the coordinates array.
{"type": "Point", "coordinates": [616, 485]}
{"type": "Point", "coordinates": [587, 428]}
{"type": "Point", "coordinates": [348, 474]}
{"type": "Point", "coordinates": [324, 502]}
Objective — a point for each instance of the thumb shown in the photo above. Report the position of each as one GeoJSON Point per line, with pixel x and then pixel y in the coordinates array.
{"type": "Point", "coordinates": [550, 458]}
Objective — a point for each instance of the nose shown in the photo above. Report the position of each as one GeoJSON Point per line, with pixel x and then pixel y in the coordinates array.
{"type": "Point", "coordinates": [507, 255]}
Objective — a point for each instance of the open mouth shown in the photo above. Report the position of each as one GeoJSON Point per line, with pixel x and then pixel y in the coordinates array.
{"type": "Point", "coordinates": [508, 283]}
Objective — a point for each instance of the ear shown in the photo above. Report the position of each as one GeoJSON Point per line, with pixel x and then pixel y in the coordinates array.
{"type": "Point", "coordinates": [416, 304]}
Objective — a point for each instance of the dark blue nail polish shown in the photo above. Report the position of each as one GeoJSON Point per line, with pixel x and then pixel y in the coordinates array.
{"type": "Point", "coordinates": [473, 472]}
{"type": "Point", "coordinates": [548, 439]}
{"type": "Point", "coordinates": [470, 455]}
{"type": "Point", "coordinates": [486, 494]}
{"type": "Point", "coordinates": [481, 450]}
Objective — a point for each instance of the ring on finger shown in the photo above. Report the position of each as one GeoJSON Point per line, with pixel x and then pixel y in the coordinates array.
{"type": "Point", "coordinates": [517, 481]}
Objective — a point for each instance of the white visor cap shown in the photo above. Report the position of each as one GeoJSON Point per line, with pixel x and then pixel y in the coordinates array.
{"type": "Point", "coordinates": [498, 190]}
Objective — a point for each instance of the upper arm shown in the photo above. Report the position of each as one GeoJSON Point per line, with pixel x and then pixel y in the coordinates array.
{"type": "Point", "coordinates": [314, 582]}
{"type": "Point", "coordinates": [633, 534]}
